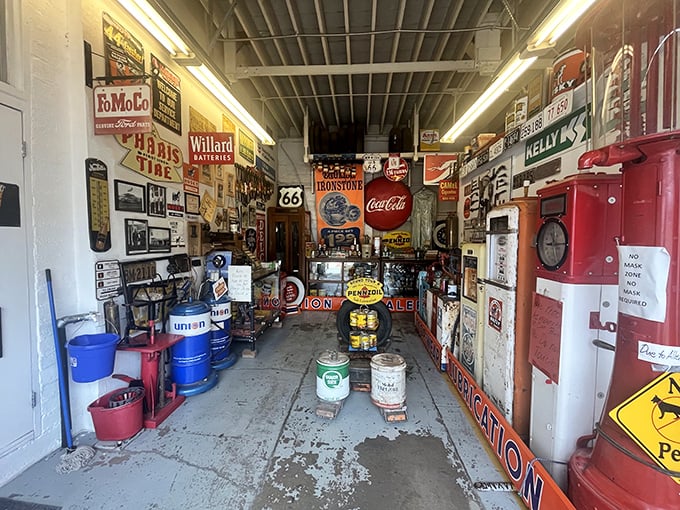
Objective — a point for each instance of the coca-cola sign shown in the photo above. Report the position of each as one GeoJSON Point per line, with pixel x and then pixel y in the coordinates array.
{"type": "Point", "coordinates": [387, 204]}
{"type": "Point", "coordinates": [122, 109]}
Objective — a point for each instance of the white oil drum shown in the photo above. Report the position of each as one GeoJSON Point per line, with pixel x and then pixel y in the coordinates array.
{"type": "Point", "coordinates": [332, 376]}
{"type": "Point", "coordinates": [388, 380]}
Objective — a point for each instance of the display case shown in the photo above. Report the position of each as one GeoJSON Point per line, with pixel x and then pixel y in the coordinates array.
{"type": "Point", "coordinates": [400, 276]}
{"type": "Point", "coordinates": [329, 276]}
{"type": "Point", "coordinates": [256, 301]}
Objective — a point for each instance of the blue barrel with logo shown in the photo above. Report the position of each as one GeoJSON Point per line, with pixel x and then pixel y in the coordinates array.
{"type": "Point", "coordinates": [220, 329]}
{"type": "Point", "coordinates": [191, 357]}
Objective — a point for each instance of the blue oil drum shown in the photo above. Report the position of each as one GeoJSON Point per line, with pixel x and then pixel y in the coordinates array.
{"type": "Point", "coordinates": [220, 330]}
{"type": "Point", "coordinates": [191, 357]}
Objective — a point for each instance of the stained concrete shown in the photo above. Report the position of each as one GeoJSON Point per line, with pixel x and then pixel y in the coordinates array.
{"type": "Point", "coordinates": [255, 442]}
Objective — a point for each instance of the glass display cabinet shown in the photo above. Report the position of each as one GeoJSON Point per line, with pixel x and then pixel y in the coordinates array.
{"type": "Point", "coordinates": [329, 277]}
{"type": "Point", "coordinates": [400, 277]}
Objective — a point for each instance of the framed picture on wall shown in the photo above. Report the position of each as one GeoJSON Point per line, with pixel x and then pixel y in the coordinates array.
{"type": "Point", "coordinates": [192, 203]}
{"type": "Point", "coordinates": [129, 197]}
{"type": "Point", "coordinates": [136, 236]}
{"type": "Point", "coordinates": [159, 240]}
{"type": "Point", "coordinates": [155, 199]}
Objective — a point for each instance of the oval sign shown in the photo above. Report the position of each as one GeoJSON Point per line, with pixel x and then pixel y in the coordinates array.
{"type": "Point", "coordinates": [395, 169]}
{"type": "Point", "coordinates": [387, 204]}
{"type": "Point", "coordinates": [364, 291]}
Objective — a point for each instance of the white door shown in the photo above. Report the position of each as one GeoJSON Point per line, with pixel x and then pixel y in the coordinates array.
{"type": "Point", "coordinates": [15, 362]}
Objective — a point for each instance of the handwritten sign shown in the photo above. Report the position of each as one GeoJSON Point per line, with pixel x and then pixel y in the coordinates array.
{"type": "Point", "coordinates": [643, 274]}
{"type": "Point", "coordinates": [240, 283]}
{"type": "Point", "coordinates": [546, 335]}
{"type": "Point", "coordinates": [657, 353]}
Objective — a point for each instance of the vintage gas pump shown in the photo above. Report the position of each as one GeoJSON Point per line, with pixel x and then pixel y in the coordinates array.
{"type": "Point", "coordinates": [634, 51]}
{"type": "Point", "coordinates": [574, 312]}
{"type": "Point", "coordinates": [470, 352]}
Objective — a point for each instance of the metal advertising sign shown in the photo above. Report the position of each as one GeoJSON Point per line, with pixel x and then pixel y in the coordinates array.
{"type": "Point", "coordinates": [395, 169]}
{"type": "Point", "coordinates": [437, 167]}
{"type": "Point", "coordinates": [122, 109]}
{"type": "Point", "coordinates": [558, 137]}
{"type": "Point", "coordinates": [167, 98]}
{"type": "Point", "coordinates": [151, 156]}
{"type": "Point", "coordinates": [364, 291]}
{"type": "Point", "coordinates": [388, 204]}
{"type": "Point", "coordinates": [211, 148]}
{"type": "Point", "coordinates": [339, 201]}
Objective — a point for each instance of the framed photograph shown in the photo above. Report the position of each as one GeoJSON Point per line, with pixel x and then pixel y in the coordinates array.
{"type": "Point", "coordinates": [136, 236]}
{"type": "Point", "coordinates": [155, 198]}
{"type": "Point", "coordinates": [129, 197]}
{"type": "Point", "coordinates": [159, 240]}
{"type": "Point", "coordinates": [192, 203]}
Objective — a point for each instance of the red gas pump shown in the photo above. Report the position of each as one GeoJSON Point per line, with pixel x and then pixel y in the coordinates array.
{"type": "Point", "coordinates": [635, 109]}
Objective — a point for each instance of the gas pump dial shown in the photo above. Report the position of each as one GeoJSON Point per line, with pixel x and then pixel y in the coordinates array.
{"type": "Point", "coordinates": [552, 242]}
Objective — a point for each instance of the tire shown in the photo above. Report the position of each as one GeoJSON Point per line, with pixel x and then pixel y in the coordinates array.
{"type": "Point", "coordinates": [384, 319]}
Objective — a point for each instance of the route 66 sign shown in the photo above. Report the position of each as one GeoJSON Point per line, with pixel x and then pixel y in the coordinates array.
{"type": "Point", "coordinates": [291, 196]}
{"type": "Point", "coordinates": [372, 163]}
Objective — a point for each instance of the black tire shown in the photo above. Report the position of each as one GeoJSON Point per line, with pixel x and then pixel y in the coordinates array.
{"type": "Point", "coordinates": [384, 319]}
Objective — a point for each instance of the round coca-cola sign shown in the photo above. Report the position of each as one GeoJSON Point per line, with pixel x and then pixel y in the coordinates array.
{"type": "Point", "coordinates": [387, 204]}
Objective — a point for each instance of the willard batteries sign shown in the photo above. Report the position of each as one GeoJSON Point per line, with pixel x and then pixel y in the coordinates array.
{"type": "Point", "coordinates": [211, 148]}
{"type": "Point", "coordinates": [122, 109]}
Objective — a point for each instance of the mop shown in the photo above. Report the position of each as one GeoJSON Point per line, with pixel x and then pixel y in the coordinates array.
{"type": "Point", "coordinates": [74, 458]}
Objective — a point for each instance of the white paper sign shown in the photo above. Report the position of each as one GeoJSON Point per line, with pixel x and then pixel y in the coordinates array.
{"type": "Point", "coordinates": [240, 283]}
{"type": "Point", "coordinates": [643, 274]}
{"type": "Point", "coordinates": [661, 354]}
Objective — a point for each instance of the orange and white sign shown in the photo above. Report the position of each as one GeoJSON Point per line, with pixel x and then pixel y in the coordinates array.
{"type": "Point", "coordinates": [437, 167]}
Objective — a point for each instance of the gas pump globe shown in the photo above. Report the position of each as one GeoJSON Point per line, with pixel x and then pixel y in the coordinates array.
{"type": "Point", "coordinates": [636, 123]}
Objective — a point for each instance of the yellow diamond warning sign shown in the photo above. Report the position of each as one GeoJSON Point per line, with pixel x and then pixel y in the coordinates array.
{"type": "Point", "coordinates": [651, 418]}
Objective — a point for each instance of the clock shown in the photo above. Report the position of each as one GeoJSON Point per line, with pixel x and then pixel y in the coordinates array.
{"type": "Point", "coordinates": [552, 242]}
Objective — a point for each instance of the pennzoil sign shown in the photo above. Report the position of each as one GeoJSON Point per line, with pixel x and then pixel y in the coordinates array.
{"type": "Point", "coordinates": [364, 291]}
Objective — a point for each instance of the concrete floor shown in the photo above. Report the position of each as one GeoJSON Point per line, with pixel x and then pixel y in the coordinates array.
{"type": "Point", "coordinates": [255, 442]}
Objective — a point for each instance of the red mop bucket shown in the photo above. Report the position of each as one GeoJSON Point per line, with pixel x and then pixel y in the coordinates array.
{"type": "Point", "coordinates": [119, 414]}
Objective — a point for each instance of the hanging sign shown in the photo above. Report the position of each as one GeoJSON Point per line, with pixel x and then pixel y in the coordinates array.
{"type": "Point", "coordinates": [437, 167]}
{"type": "Point", "coordinates": [291, 196]}
{"type": "Point", "coordinates": [211, 148]}
{"type": "Point", "coordinates": [151, 156]}
{"type": "Point", "coordinates": [448, 191]}
{"type": "Point", "coordinates": [122, 109]}
{"type": "Point", "coordinates": [167, 98]}
{"type": "Point", "coordinates": [650, 418]}
{"type": "Point", "coordinates": [395, 168]}
{"type": "Point", "coordinates": [371, 163]}
{"type": "Point", "coordinates": [339, 200]}
{"type": "Point", "coordinates": [364, 291]}
{"type": "Point", "coordinates": [429, 140]}
{"type": "Point", "coordinates": [387, 204]}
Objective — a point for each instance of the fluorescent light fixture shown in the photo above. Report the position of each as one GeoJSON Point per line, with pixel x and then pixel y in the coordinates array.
{"type": "Point", "coordinates": [156, 26]}
{"type": "Point", "coordinates": [551, 28]}
{"type": "Point", "coordinates": [217, 89]}
{"type": "Point", "coordinates": [557, 22]}
{"type": "Point", "coordinates": [147, 16]}
{"type": "Point", "coordinates": [511, 71]}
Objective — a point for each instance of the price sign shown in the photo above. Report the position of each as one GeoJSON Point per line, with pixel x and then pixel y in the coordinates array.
{"type": "Point", "coordinates": [291, 196]}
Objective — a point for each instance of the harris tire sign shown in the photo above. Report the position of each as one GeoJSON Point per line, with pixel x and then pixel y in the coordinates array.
{"type": "Point", "coordinates": [122, 109]}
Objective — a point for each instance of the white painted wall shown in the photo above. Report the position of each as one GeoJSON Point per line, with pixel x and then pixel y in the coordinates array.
{"type": "Point", "coordinates": [59, 132]}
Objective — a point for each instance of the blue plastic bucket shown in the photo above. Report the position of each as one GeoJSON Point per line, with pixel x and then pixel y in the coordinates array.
{"type": "Point", "coordinates": [191, 357]}
{"type": "Point", "coordinates": [91, 357]}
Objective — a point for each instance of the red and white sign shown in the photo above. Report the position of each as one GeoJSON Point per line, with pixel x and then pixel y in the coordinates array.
{"type": "Point", "coordinates": [120, 109]}
{"type": "Point", "coordinates": [211, 148]}
{"type": "Point", "coordinates": [395, 169]}
{"type": "Point", "coordinates": [438, 166]}
{"type": "Point", "coordinates": [387, 204]}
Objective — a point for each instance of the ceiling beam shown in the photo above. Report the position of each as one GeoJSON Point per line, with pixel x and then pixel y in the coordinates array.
{"type": "Point", "coordinates": [244, 72]}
